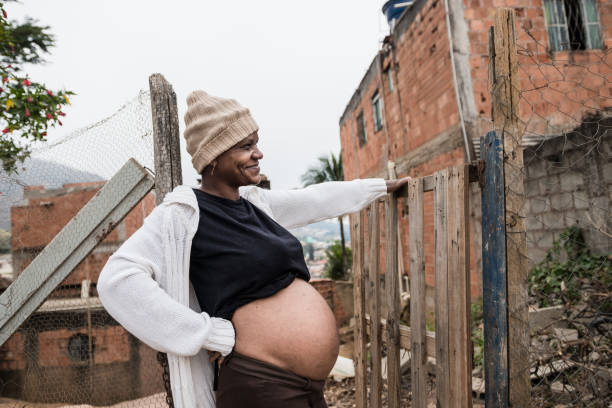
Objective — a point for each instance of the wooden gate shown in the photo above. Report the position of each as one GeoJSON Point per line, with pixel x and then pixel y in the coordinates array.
{"type": "Point", "coordinates": [451, 344]}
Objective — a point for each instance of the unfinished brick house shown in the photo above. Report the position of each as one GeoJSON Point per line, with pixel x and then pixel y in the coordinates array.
{"type": "Point", "coordinates": [50, 358]}
{"type": "Point", "coordinates": [406, 110]}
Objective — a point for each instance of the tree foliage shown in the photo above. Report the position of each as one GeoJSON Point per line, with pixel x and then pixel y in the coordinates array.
{"type": "Point", "coordinates": [333, 268]}
{"type": "Point", "coordinates": [27, 107]}
{"type": "Point", "coordinates": [329, 169]}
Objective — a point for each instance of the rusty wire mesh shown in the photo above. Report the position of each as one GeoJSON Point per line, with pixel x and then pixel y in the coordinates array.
{"type": "Point", "coordinates": [70, 351]}
{"type": "Point", "coordinates": [565, 125]}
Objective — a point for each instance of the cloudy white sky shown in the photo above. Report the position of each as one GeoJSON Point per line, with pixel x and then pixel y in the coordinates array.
{"type": "Point", "coordinates": [295, 64]}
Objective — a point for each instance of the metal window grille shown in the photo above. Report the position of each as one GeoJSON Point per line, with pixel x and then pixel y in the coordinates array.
{"type": "Point", "coordinates": [361, 129]}
{"type": "Point", "coordinates": [376, 111]}
{"type": "Point", "coordinates": [572, 24]}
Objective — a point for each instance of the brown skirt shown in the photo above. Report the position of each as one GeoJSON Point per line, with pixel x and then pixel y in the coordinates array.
{"type": "Point", "coordinates": [248, 382]}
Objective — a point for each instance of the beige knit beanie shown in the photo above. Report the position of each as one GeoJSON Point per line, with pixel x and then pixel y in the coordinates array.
{"type": "Point", "coordinates": [213, 125]}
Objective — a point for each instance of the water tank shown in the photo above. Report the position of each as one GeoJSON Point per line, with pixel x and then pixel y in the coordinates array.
{"type": "Point", "coordinates": [392, 9]}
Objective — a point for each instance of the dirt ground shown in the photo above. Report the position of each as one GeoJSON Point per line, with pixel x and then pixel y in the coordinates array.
{"type": "Point", "coordinates": [342, 394]}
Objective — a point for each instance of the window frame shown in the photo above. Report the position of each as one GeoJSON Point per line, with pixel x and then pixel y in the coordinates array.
{"type": "Point", "coordinates": [377, 111]}
{"type": "Point", "coordinates": [389, 73]}
{"type": "Point", "coordinates": [558, 31]}
{"type": "Point", "coordinates": [362, 135]}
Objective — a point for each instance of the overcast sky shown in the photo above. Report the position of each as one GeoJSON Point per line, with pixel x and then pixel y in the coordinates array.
{"type": "Point", "coordinates": [294, 64]}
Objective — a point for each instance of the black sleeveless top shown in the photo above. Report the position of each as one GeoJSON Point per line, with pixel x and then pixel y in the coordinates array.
{"type": "Point", "coordinates": [239, 254]}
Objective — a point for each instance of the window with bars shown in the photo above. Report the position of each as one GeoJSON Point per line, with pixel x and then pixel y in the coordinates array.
{"type": "Point", "coordinates": [361, 129]}
{"type": "Point", "coordinates": [572, 24]}
{"type": "Point", "coordinates": [377, 112]}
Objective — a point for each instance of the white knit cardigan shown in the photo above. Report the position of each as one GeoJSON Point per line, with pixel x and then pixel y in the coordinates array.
{"type": "Point", "coordinates": [145, 283]}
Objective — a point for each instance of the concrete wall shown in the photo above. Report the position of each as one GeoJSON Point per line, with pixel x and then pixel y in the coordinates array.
{"type": "Point", "coordinates": [569, 180]}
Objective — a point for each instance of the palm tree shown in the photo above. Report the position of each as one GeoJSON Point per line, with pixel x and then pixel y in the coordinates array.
{"type": "Point", "coordinates": [328, 169]}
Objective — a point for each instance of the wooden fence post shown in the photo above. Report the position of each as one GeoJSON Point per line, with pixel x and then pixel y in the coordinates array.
{"type": "Point", "coordinates": [393, 302]}
{"type": "Point", "coordinates": [494, 287]}
{"type": "Point", "coordinates": [374, 295]}
{"type": "Point", "coordinates": [441, 288]}
{"type": "Point", "coordinates": [359, 334]}
{"type": "Point", "coordinates": [505, 89]}
{"type": "Point", "coordinates": [167, 159]}
{"type": "Point", "coordinates": [166, 142]}
{"type": "Point", "coordinates": [418, 333]}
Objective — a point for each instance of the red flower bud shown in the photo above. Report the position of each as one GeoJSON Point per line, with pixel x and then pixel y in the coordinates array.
{"type": "Point", "coordinates": [61, 114]}
{"type": "Point", "coordinates": [9, 66]}
{"type": "Point", "coordinates": [4, 79]}
{"type": "Point", "coordinates": [5, 130]}
{"type": "Point", "coordinates": [49, 93]}
{"type": "Point", "coordinates": [26, 83]}
{"type": "Point", "coordinates": [43, 134]}
{"type": "Point", "coordinates": [29, 99]}
{"type": "Point", "coordinates": [27, 113]}
{"type": "Point", "coordinates": [4, 13]}
{"type": "Point", "coordinates": [60, 122]}
{"type": "Point", "coordinates": [1, 90]}
{"type": "Point", "coordinates": [49, 116]}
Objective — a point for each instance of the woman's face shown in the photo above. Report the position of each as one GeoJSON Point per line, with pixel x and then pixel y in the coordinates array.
{"type": "Point", "coordinates": [239, 166]}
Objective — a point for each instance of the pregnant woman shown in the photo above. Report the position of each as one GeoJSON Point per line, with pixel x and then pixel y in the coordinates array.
{"type": "Point", "coordinates": [214, 279]}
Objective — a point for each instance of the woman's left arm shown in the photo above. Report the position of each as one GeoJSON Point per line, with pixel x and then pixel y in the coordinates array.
{"type": "Point", "coordinates": [295, 208]}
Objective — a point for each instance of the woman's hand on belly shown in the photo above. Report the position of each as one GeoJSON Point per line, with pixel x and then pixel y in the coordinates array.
{"type": "Point", "coordinates": [294, 329]}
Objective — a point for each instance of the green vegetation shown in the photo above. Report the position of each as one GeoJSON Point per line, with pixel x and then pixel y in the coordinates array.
{"type": "Point", "coordinates": [567, 265]}
{"type": "Point", "coordinates": [5, 242]}
{"type": "Point", "coordinates": [27, 108]}
{"type": "Point", "coordinates": [334, 268]}
{"type": "Point", "coordinates": [329, 169]}
{"type": "Point", "coordinates": [477, 333]}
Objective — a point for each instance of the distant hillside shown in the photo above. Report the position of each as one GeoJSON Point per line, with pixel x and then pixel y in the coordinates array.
{"type": "Point", "coordinates": [328, 230]}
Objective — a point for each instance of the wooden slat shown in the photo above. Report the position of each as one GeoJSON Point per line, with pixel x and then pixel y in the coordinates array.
{"type": "Point", "coordinates": [374, 295]}
{"type": "Point", "coordinates": [460, 361]}
{"type": "Point", "coordinates": [441, 288]}
{"type": "Point", "coordinates": [393, 302]}
{"type": "Point", "coordinates": [406, 337]}
{"type": "Point", "coordinates": [359, 359]}
{"type": "Point", "coordinates": [417, 293]}
{"type": "Point", "coordinates": [494, 297]}
{"type": "Point", "coordinates": [505, 100]}
{"type": "Point", "coordinates": [72, 244]}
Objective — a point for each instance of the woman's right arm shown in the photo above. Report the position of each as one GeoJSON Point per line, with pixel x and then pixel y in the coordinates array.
{"type": "Point", "coordinates": [132, 296]}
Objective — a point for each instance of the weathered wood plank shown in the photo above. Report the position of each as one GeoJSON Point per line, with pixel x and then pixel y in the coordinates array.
{"type": "Point", "coordinates": [494, 299]}
{"type": "Point", "coordinates": [441, 288]}
{"type": "Point", "coordinates": [166, 146]}
{"type": "Point", "coordinates": [374, 295]}
{"type": "Point", "coordinates": [505, 100]}
{"type": "Point", "coordinates": [393, 302]}
{"type": "Point", "coordinates": [460, 361]}
{"type": "Point", "coordinates": [417, 293]}
{"type": "Point", "coordinates": [405, 336]}
{"type": "Point", "coordinates": [357, 238]}
{"type": "Point", "coordinates": [72, 244]}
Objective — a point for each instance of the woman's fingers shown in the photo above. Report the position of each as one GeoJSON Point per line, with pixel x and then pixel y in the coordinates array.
{"type": "Point", "coordinates": [213, 355]}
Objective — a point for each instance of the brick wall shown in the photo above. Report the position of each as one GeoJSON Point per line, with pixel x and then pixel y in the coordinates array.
{"type": "Point", "coordinates": [35, 360]}
{"type": "Point", "coordinates": [327, 289]}
{"type": "Point", "coordinates": [421, 132]}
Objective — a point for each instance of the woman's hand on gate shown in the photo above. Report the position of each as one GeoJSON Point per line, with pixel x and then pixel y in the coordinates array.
{"type": "Point", "coordinates": [394, 185]}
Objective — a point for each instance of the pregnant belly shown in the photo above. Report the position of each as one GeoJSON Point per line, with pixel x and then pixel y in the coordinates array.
{"type": "Point", "coordinates": [294, 329]}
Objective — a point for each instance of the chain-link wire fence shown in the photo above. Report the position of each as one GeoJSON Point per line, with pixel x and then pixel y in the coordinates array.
{"type": "Point", "coordinates": [70, 351]}
{"type": "Point", "coordinates": [565, 125]}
